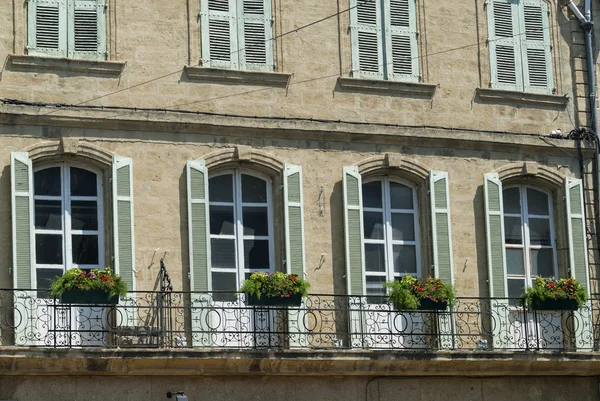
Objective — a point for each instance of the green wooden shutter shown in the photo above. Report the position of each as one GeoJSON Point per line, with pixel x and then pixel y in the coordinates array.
{"type": "Point", "coordinates": [21, 174]}
{"type": "Point", "coordinates": [124, 243]}
{"type": "Point", "coordinates": [536, 47]}
{"type": "Point", "coordinates": [353, 233]}
{"type": "Point", "coordinates": [578, 256]}
{"type": "Point", "coordinates": [47, 27]}
{"type": "Point", "coordinates": [294, 219]}
{"type": "Point", "coordinates": [198, 229]}
{"type": "Point", "coordinates": [401, 55]}
{"type": "Point", "coordinates": [505, 52]}
{"type": "Point", "coordinates": [254, 24]}
{"type": "Point", "coordinates": [219, 33]}
{"type": "Point", "coordinates": [494, 224]}
{"type": "Point", "coordinates": [87, 29]}
{"type": "Point", "coordinates": [441, 231]}
{"type": "Point", "coordinates": [367, 39]}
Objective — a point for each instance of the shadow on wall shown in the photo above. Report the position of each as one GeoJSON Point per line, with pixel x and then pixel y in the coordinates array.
{"type": "Point", "coordinates": [338, 259]}
{"type": "Point", "coordinates": [480, 243]}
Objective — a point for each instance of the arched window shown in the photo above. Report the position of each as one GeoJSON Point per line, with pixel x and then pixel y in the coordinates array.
{"type": "Point", "coordinates": [529, 237]}
{"type": "Point", "coordinates": [68, 220]}
{"type": "Point", "coordinates": [391, 232]}
{"type": "Point", "coordinates": [241, 227]}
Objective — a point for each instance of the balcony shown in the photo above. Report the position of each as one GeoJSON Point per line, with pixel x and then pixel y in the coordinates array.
{"type": "Point", "coordinates": [172, 319]}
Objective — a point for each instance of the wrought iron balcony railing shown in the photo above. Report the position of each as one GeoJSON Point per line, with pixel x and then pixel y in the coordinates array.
{"type": "Point", "coordinates": [171, 319]}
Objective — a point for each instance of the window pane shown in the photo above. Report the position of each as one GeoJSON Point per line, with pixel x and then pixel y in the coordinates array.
{"type": "Point", "coordinates": [44, 279]}
{"type": "Point", "coordinates": [49, 249]}
{"type": "Point", "coordinates": [47, 182]}
{"type": "Point", "coordinates": [254, 190]}
{"type": "Point", "coordinates": [83, 182]}
{"type": "Point", "coordinates": [401, 196]}
{"type": "Point", "coordinates": [373, 225]}
{"type": "Point", "coordinates": [542, 262]}
{"type": "Point", "coordinates": [512, 200]}
{"type": "Point", "coordinates": [256, 254]}
{"type": "Point", "coordinates": [221, 220]}
{"type": "Point", "coordinates": [405, 259]}
{"type": "Point", "coordinates": [371, 193]}
{"type": "Point", "coordinates": [514, 261]}
{"type": "Point", "coordinates": [515, 287]}
{"type": "Point", "coordinates": [537, 202]}
{"type": "Point", "coordinates": [403, 227]}
{"type": "Point", "coordinates": [85, 249]}
{"type": "Point", "coordinates": [539, 231]}
{"type": "Point", "coordinates": [375, 257]}
{"type": "Point", "coordinates": [220, 188]}
{"type": "Point", "coordinates": [256, 221]}
{"type": "Point", "coordinates": [84, 215]}
{"type": "Point", "coordinates": [48, 215]}
{"type": "Point", "coordinates": [512, 230]}
{"type": "Point", "coordinates": [375, 290]}
{"type": "Point", "coordinates": [222, 253]}
{"type": "Point", "coordinates": [224, 282]}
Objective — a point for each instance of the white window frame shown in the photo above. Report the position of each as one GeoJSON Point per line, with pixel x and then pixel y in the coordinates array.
{"type": "Point", "coordinates": [66, 232]}
{"type": "Point", "coordinates": [238, 235]}
{"type": "Point", "coordinates": [388, 240]}
{"type": "Point", "coordinates": [526, 247]}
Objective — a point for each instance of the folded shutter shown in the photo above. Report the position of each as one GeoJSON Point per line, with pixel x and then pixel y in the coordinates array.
{"type": "Point", "coordinates": [122, 187]}
{"type": "Point", "coordinates": [401, 56]}
{"type": "Point", "coordinates": [255, 35]}
{"type": "Point", "coordinates": [47, 27]}
{"type": "Point", "coordinates": [536, 47]}
{"type": "Point", "coordinates": [367, 41]}
{"type": "Point", "coordinates": [505, 51]}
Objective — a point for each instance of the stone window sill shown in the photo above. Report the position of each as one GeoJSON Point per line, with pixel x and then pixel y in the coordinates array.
{"type": "Point", "coordinates": [28, 62]}
{"type": "Point", "coordinates": [392, 87]}
{"type": "Point", "coordinates": [218, 75]}
{"type": "Point", "coordinates": [516, 98]}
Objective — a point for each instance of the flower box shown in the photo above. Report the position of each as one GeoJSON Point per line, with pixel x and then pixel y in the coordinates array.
{"type": "Point", "coordinates": [411, 293]}
{"type": "Point", "coordinates": [263, 300]}
{"type": "Point", "coordinates": [430, 304]}
{"type": "Point", "coordinates": [89, 297]}
{"type": "Point", "coordinates": [554, 304]}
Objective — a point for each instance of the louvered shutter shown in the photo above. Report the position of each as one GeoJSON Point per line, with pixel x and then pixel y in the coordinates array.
{"type": "Point", "coordinates": [353, 224]}
{"type": "Point", "coordinates": [441, 231]}
{"type": "Point", "coordinates": [22, 219]}
{"type": "Point", "coordinates": [122, 187]}
{"type": "Point", "coordinates": [536, 47]}
{"type": "Point", "coordinates": [254, 24]}
{"type": "Point", "coordinates": [87, 29]}
{"type": "Point", "coordinates": [401, 55]}
{"type": "Point", "coordinates": [47, 27]}
{"type": "Point", "coordinates": [494, 224]}
{"type": "Point", "coordinates": [505, 52]}
{"type": "Point", "coordinates": [294, 219]}
{"type": "Point", "coordinates": [367, 41]}
{"type": "Point", "coordinates": [219, 34]}
{"type": "Point", "coordinates": [197, 198]}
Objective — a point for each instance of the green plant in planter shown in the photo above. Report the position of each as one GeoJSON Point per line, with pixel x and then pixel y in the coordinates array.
{"type": "Point", "coordinates": [275, 285]}
{"type": "Point", "coordinates": [549, 289]}
{"type": "Point", "coordinates": [410, 292]}
{"type": "Point", "coordinates": [92, 280]}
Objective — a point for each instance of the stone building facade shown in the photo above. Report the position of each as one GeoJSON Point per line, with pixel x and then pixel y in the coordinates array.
{"type": "Point", "coordinates": [280, 110]}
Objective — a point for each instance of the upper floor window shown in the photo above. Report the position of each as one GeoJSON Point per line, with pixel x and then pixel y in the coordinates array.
{"type": "Point", "coordinates": [67, 28]}
{"type": "Point", "coordinates": [384, 40]}
{"type": "Point", "coordinates": [237, 34]}
{"type": "Point", "coordinates": [520, 46]}
{"type": "Point", "coordinates": [528, 237]}
{"type": "Point", "coordinates": [391, 232]}
{"type": "Point", "coordinates": [68, 221]}
{"type": "Point", "coordinates": [241, 228]}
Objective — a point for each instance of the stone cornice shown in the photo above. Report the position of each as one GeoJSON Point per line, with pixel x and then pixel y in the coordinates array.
{"type": "Point", "coordinates": [39, 63]}
{"type": "Point", "coordinates": [286, 129]}
{"type": "Point", "coordinates": [156, 362]}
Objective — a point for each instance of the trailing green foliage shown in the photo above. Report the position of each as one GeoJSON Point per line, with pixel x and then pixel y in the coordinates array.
{"type": "Point", "coordinates": [94, 279]}
{"type": "Point", "coordinates": [407, 293]}
{"type": "Point", "coordinates": [551, 289]}
{"type": "Point", "coordinates": [277, 284]}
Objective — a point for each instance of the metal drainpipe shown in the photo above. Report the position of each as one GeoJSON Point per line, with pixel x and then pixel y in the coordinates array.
{"type": "Point", "coordinates": [588, 27]}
